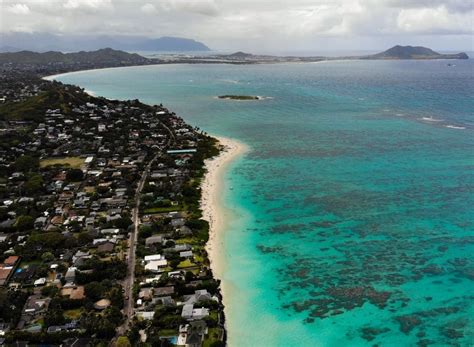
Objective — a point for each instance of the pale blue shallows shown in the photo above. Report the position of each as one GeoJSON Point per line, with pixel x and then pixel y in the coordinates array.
{"type": "Point", "coordinates": [356, 198]}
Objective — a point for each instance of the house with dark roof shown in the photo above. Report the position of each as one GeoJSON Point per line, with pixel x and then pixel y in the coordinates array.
{"type": "Point", "coordinates": [107, 247]}
{"type": "Point", "coordinates": [192, 334]}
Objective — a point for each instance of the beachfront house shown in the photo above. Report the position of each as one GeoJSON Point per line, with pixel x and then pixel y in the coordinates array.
{"type": "Point", "coordinates": [155, 263]}
{"type": "Point", "coordinates": [190, 313]}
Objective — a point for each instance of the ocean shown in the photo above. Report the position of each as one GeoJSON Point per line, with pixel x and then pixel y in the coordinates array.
{"type": "Point", "coordinates": [355, 203]}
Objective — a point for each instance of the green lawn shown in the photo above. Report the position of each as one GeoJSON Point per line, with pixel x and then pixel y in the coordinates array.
{"type": "Point", "coordinates": [198, 258]}
{"type": "Point", "coordinates": [73, 314]}
{"type": "Point", "coordinates": [188, 240]}
{"type": "Point", "coordinates": [186, 263]}
{"type": "Point", "coordinates": [168, 332]}
{"type": "Point", "coordinates": [214, 315]}
{"type": "Point", "coordinates": [212, 337]}
{"type": "Point", "coordinates": [163, 209]}
{"type": "Point", "coordinates": [24, 263]}
{"type": "Point", "coordinates": [72, 162]}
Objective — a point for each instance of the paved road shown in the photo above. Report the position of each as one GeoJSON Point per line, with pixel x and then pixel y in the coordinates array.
{"type": "Point", "coordinates": [130, 279]}
{"type": "Point", "coordinates": [133, 239]}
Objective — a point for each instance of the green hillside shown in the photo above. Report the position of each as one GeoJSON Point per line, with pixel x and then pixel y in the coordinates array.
{"type": "Point", "coordinates": [34, 108]}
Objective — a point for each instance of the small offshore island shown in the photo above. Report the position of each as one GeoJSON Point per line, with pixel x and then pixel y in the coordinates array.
{"type": "Point", "coordinates": [240, 97]}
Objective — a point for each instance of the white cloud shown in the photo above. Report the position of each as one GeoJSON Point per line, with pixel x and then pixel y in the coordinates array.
{"type": "Point", "coordinates": [20, 9]}
{"type": "Point", "coordinates": [247, 23]}
{"type": "Point", "coordinates": [203, 7]}
{"type": "Point", "coordinates": [148, 8]}
{"type": "Point", "coordinates": [450, 5]}
{"type": "Point", "coordinates": [89, 6]}
{"type": "Point", "coordinates": [434, 20]}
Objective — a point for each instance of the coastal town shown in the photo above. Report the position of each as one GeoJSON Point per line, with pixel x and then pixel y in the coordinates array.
{"type": "Point", "coordinates": [102, 238]}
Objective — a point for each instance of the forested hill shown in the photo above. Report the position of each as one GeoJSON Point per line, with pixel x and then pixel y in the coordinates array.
{"type": "Point", "coordinates": [106, 56]}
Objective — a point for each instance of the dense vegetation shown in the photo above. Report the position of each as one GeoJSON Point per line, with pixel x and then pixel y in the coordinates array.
{"type": "Point", "coordinates": [34, 108]}
{"type": "Point", "coordinates": [102, 56]}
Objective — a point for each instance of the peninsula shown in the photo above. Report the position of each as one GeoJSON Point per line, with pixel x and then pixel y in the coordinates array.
{"type": "Point", "coordinates": [395, 53]}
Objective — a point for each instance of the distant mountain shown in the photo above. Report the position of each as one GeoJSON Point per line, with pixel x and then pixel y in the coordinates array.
{"type": "Point", "coordinates": [42, 42]}
{"type": "Point", "coordinates": [106, 56]}
{"type": "Point", "coordinates": [170, 44]}
{"type": "Point", "coordinates": [9, 49]}
{"type": "Point", "coordinates": [414, 52]}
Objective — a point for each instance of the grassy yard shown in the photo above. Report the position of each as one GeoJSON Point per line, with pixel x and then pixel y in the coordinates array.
{"type": "Point", "coordinates": [89, 189]}
{"type": "Point", "coordinates": [198, 258]}
{"type": "Point", "coordinates": [73, 314]}
{"type": "Point", "coordinates": [71, 162]}
{"type": "Point", "coordinates": [214, 315]}
{"type": "Point", "coordinates": [163, 209]}
{"type": "Point", "coordinates": [212, 337]}
{"type": "Point", "coordinates": [186, 240]}
{"type": "Point", "coordinates": [186, 263]}
{"type": "Point", "coordinates": [168, 332]}
{"type": "Point", "coordinates": [25, 263]}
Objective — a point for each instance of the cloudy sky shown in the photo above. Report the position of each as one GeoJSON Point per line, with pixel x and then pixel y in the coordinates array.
{"type": "Point", "coordinates": [257, 25]}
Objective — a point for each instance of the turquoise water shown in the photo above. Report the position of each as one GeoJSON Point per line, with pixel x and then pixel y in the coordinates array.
{"type": "Point", "coordinates": [355, 200]}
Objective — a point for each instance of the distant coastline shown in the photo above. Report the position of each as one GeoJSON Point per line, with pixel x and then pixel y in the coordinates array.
{"type": "Point", "coordinates": [109, 58]}
{"type": "Point", "coordinates": [53, 77]}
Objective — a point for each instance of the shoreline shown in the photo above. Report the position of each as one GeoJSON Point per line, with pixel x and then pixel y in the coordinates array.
{"type": "Point", "coordinates": [211, 204]}
{"type": "Point", "coordinates": [213, 209]}
{"type": "Point", "coordinates": [212, 183]}
{"type": "Point", "coordinates": [52, 77]}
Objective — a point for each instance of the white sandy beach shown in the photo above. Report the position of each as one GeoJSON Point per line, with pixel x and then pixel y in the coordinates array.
{"type": "Point", "coordinates": [54, 77]}
{"type": "Point", "coordinates": [212, 203]}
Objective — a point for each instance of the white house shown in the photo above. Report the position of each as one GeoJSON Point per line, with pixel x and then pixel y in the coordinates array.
{"type": "Point", "coordinates": [156, 265]}
{"type": "Point", "coordinates": [147, 315]}
{"type": "Point", "coordinates": [40, 281]}
{"type": "Point", "coordinates": [153, 257]}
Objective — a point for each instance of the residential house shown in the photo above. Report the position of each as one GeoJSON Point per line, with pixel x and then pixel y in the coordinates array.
{"type": "Point", "coordinates": [154, 240]}
{"type": "Point", "coordinates": [190, 313]}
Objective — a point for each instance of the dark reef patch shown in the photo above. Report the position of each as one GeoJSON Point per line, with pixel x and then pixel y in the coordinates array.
{"type": "Point", "coordinates": [267, 250]}
{"type": "Point", "coordinates": [370, 333]}
{"type": "Point", "coordinates": [408, 323]}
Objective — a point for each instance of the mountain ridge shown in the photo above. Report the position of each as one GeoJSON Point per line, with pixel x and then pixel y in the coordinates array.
{"type": "Point", "coordinates": [109, 57]}
{"type": "Point", "coordinates": [42, 42]}
{"type": "Point", "coordinates": [101, 56]}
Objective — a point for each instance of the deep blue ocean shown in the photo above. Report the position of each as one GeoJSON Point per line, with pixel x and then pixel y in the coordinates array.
{"type": "Point", "coordinates": [355, 203]}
